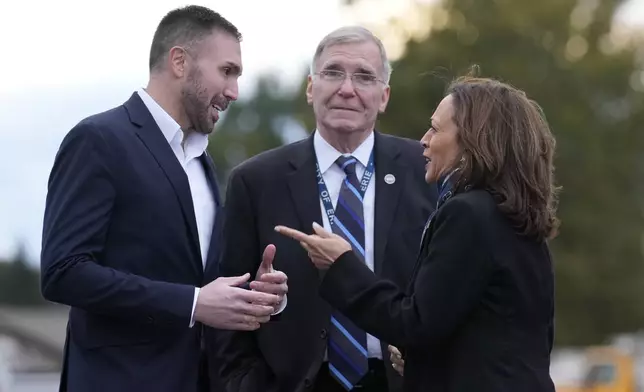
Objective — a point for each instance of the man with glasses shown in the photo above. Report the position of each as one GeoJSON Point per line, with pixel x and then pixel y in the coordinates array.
{"type": "Point", "coordinates": [363, 185]}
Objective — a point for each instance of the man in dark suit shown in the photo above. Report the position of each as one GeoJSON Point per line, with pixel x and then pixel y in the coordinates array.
{"type": "Point", "coordinates": [366, 185]}
{"type": "Point", "coordinates": [132, 223]}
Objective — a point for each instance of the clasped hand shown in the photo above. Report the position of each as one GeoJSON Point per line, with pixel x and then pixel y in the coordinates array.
{"type": "Point", "coordinates": [397, 361]}
{"type": "Point", "coordinates": [223, 304]}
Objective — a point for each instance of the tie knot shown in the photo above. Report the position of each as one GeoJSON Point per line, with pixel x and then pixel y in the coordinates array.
{"type": "Point", "coordinates": [348, 164]}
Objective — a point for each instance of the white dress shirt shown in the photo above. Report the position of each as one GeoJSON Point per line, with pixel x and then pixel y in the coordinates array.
{"type": "Point", "coordinates": [188, 152]}
{"type": "Point", "coordinates": [333, 176]}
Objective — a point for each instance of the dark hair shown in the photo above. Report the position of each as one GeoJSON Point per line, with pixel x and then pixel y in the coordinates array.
{"type": "Point", "coordinates": [186, 26]}
{"type": "Point", "coordinates": [508, 149]}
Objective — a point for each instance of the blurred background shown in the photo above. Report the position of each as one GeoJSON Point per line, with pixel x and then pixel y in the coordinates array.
{"type": "Point", "coordinates": [582, 60]}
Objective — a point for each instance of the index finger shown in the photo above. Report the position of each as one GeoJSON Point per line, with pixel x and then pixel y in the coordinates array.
{"type": "Point", "coordinates": [295, 234]}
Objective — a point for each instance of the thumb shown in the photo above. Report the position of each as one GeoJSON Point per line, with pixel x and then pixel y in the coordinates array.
{"type": "Point", "coordinates": [319, 230]}
{"type": "Point", "coordinates": [235, 280]}
{"type": "Point", "coordinates": [268, 257]}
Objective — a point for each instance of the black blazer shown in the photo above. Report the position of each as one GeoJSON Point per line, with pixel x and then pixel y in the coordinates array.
{"type": "Point", "coordinates": [120, 246]}
{"type": "Point", "coordinates": [279, 187]}
{"type": "Point", "coordinates": [478, 312]}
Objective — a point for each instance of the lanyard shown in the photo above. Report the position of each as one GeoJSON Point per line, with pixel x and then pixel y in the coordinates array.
{"type": "Point", "coordinates": [324, 192]}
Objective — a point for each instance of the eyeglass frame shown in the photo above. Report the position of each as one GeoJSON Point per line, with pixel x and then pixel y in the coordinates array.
{"type": "Point", "coordinates": [342, 76]}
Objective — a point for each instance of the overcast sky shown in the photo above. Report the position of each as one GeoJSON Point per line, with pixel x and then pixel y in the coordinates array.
{"type": "Point", "coordinates": [67, 59]}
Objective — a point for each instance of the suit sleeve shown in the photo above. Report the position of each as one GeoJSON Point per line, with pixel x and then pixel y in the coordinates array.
{"type": "Point", "coordinates": [449, 284]}
{"type": "Point", "coordinates": [241, 364]}
{"type": "Point", "coordinates": [80, 199]}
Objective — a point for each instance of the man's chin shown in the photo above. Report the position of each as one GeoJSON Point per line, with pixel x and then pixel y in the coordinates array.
{"type": "Point", "coordinates": [345, 126]}
{"type": "Point", "coordinates": [204, 130]}
{"type": "Point", "coordinates": [208, 128]}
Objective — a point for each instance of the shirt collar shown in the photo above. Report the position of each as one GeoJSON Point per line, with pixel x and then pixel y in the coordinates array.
{"type": "Point", "coordinates": [446, 180]}
{"type": "Point", "coordinates": [196, 142]}
{"type": "Point", "coordinates": [327, 154]}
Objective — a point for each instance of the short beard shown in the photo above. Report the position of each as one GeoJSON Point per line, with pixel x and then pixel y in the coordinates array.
{"type": "Point", "coordinates": [193, 99]}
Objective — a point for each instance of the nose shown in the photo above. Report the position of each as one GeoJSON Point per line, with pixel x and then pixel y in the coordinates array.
{"type": "Point", "coordinates": [424, 141]}
{"type": "Point", "coordinates": [347, 88]}
{"type": "Point", "coordinates": [232, 91]}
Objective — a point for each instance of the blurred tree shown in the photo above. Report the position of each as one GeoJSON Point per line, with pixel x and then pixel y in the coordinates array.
{"type": "Point", "coordinates": [565, 55]}
{"type": "Point", "coordinates": [253, 125]}
{"type": "Point", "coordinates": [19, 283]}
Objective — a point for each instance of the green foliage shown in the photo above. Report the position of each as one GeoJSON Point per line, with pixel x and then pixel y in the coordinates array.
{"type": "Point", "coordinates": [251, 126]}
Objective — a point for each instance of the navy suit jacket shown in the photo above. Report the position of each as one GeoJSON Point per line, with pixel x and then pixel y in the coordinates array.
{"type": "Point", "coordinates": [120, 246]}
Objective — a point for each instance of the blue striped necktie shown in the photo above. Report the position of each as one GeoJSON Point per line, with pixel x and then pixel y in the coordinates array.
{"type": "Point", "coordinates": [347, 348]}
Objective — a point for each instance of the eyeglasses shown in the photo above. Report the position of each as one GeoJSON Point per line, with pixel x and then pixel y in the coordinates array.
{"type": "Point", "coordinates": [360, 80]}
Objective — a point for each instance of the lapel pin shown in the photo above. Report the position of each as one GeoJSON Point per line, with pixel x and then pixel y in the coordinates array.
{"type": "Point", "coordinates": [390, 179]}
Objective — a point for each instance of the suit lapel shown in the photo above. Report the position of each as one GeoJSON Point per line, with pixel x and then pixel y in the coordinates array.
{"type": "Point", "coordinates": [213, 250]}
{"type": "Point", "coordinates": [150, 134]}
{"type": "Point", "coordinates": [303, 185]}
{"type": "Point", "coordinates": [387, 195]}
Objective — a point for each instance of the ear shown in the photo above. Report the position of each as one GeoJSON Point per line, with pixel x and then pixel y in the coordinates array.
{"type": "Point", "coordinates": [309, 90]}
{"type": "Point", "coordinates": [385, 99]}
{"type": "Point", "coordinates": [177, 61]}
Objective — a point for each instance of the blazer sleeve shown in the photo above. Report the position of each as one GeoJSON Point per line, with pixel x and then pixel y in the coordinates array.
{"type": "Point", "coordinates": [450, 282]}
{"type": "Point", "coordinates": [241, 364]}
{"type": "Point", "coordinates": [80, 199]}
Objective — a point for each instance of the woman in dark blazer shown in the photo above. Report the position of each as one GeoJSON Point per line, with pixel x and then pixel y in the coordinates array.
{"type": "Point", "coordinates": [477, 315]}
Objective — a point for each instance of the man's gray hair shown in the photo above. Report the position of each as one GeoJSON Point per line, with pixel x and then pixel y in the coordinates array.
{"type": "Point", "coordinates": [351, 35]}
